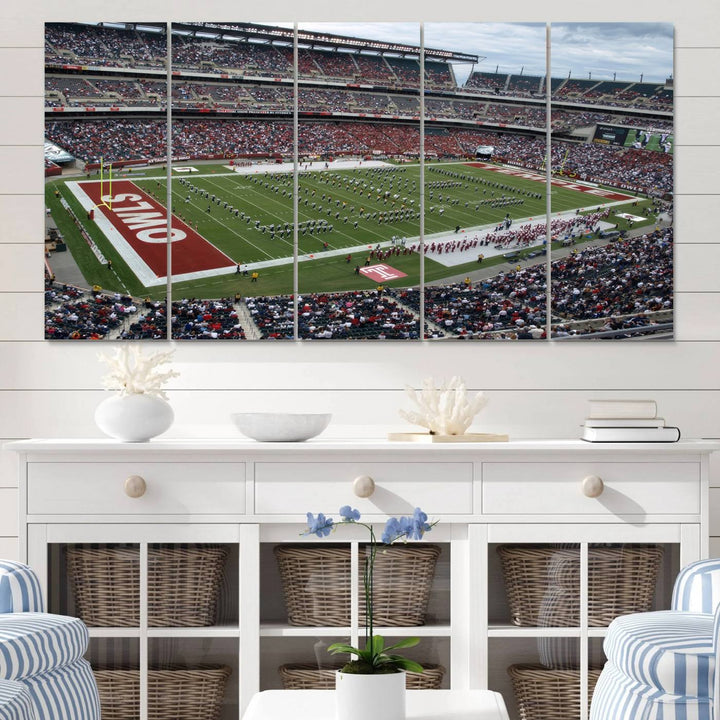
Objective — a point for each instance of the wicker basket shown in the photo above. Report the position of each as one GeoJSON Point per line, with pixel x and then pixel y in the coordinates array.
{"type": "Point", "coordinates": [543, 582]}
{"type": "Point", "coordinates": [316, 584]}
{"type": "Point", "coordinates": [310, 677]}
{"type": "Point", "coordinates": [543, 694]}
{"type": "Point", "coordinates": [173, 693]}
{"type": "Point", "coordinates": [183, 584]}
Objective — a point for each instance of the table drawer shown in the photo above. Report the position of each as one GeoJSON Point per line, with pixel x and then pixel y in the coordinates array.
{"type": "Point", "coordinates": [171, 488]}
{"type": "Point", "coordinates": [640, 488]}
{"type": "Point", "coordinates": [291, 488]}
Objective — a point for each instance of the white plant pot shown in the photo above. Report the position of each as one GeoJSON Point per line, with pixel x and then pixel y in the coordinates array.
{"type": "Point", "coordinates": [369, 697]}
{"type": "Point", "coordinates": [134, 418]}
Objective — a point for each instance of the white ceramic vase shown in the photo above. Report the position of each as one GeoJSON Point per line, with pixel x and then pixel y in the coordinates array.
{"type": "Point", "coordinates": [134, 418]}
{"type": "Point", "coordinates": [370, 697]}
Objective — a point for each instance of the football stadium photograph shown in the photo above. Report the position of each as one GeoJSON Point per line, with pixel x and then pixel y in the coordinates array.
{"type": "Point", "coordinates": [395, 181]}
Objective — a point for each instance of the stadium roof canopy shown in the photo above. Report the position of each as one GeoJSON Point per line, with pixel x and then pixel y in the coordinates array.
{"type": "Point", "coordinates": [284, 35]}
{"type": "Point", "coordinates": [308, 38]}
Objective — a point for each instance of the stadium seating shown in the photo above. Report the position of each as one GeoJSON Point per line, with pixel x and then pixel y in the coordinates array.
{"type": "Point", "coordinates": [122, 139]}
{"type": "Point", "coordinates": [72, 313]}
{"type": "Point", "coordinates": [488, 82]}
{"type": "Point", "coordinates": [206, 320]}
{"type": "Point", "coordinates": [524, 85]}
{"type": "Point", "coordinates": [102, 46]}
{"type": "Point", "coordinates": [573, 88]}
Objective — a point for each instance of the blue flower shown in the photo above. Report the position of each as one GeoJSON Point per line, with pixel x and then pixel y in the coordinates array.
{"type": "Point", "coordinates": [419, 525]}
{"type": "Point", "coordinates": [349, 514]}
{"type": "Point", "coordinates": [392, 531]}
{"type": "Point", "coordinates": [409, 528]}
{"type": "Point", "coordinates": [320, 525]}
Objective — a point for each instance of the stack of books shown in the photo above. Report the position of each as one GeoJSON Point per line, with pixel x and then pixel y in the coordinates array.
{"type": "Point", "coordinates": [627, 421]}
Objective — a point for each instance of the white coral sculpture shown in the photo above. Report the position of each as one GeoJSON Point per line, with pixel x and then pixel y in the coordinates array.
{"type": "Point", "coordinates": [443, 410]}
{"type": "Point", "coordinates": [133, 373]}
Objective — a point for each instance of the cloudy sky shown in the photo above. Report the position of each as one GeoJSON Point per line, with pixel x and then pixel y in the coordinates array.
{"type": "Point", "coordinates": [627, 49]}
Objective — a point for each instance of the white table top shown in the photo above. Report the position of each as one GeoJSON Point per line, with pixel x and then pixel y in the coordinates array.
{"type": "Point", "coordinates": [421, 705]}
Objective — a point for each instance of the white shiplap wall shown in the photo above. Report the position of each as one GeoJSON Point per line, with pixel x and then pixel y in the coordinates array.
{"type": "Point", "coordinates": [536, 390]}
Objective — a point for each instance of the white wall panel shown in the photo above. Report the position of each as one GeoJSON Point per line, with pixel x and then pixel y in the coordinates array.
{"type": "Point", "coordinates": [21, 27]}
{"type": "Point", "coordinates": [21, 120]}
{"type": "Point", "coordinates": [696, 120]}
{"type": "Point", "coordinates": [693, 70]}
{"type": "Point", "coordinates": [697, 317]}
{"type": "Point", "coordinates": [62, 365]}
{"type": "Point", "coordinates": [22, 219]}
{"type": "Point", "coordinates": [9, 548]}
{"type": "Point", "coordinates": [693, 222]}
{"type": "Point", "coordinates": [696, 170]}
{"type": "Point", "coordinates": [8, 467]}
{"type": "Point", "coordinates": [8, 512]}
{"type": "Point", "coordinates": [21, 318]}
{"type": "Point", "coordinates": [697, 268]}
{"type": "Point", "coordinates": [366, 413]}
{"type": "Point", "coordinates": [21, 268]}
{"type": "Point", "coordinates": [27, 169]}
{"type": "Point", "coordinates": [30, 80]}
{"type": "Point", "coordinates": [696, 26]}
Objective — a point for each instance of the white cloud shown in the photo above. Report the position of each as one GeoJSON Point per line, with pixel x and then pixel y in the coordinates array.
{"type": "Point", "coordinates": [626, 49]}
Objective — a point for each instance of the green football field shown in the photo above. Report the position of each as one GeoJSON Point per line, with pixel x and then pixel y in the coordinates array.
{"type": "Point", "coordinates": [340, 213]}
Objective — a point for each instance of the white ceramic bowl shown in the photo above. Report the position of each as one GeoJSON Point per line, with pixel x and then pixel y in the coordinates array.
{"type": "Point", "coordinates": [281, 427]}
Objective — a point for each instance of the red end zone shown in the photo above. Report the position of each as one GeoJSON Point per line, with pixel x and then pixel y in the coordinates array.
{"type": "Point", "coordinates": [142, 222]}
{"type": "Point", "coordinates": [557, 182]}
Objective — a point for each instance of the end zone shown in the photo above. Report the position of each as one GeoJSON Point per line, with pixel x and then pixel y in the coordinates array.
{"type": "Point", "coordinates": [136, 225]}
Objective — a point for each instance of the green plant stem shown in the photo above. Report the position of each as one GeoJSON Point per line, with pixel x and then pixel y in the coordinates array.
{"type": "Point", "coordinates": [368, 582]}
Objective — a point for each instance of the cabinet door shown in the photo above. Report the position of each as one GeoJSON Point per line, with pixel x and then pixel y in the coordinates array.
{"type": "Point", "coordinates": [164, 607]}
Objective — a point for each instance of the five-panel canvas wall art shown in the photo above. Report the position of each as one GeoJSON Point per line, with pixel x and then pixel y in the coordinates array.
{"type": "Point", "coordinates": [359, 181]}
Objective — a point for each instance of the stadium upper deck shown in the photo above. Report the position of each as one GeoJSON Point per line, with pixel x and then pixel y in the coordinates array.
{"type": "Point", "coordinates": [257, 53]}
{"type": "Point", "coordinates": [619, 94]}
{"type": "Point", "coordinates": [249, 51]}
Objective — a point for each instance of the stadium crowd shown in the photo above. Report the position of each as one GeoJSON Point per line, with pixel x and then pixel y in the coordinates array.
{"type": "Point", "coordinates": [122, 139]}
{"type": "Point", "coordinates": [615, 287]}
{"type": "Point", "coordinates": [135, 48]}
{"type": "Point", "coordinates": [74, 314]}
{"type": "Point", "coordinates": [103, 46]}
{"type": "Point", "coordinates": [194, 319]}
{"type": "Point", "coordinates": [72, 91]}
{"type": "Point", "coordinates": [633, 277]}
{"type": "Point", "coordinates": [139, 48]}
{"type": "Point", "coordinates": [648, 96]}
{"type": "Point", "coordinates": [353, 315]}
{"type": "Point", "coordinates": [623, 285]}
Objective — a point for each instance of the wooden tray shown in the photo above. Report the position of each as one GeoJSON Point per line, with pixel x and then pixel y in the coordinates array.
{"type": "Point", "coordinates": [466, 438]}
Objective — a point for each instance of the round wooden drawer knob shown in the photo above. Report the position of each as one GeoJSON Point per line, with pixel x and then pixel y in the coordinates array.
{"type": "Point", "coordinates": [593, 486]}
{"type": "Point", "coordinates": [135, 486]}
{"type": "Point", "coordinates": [363, 486]}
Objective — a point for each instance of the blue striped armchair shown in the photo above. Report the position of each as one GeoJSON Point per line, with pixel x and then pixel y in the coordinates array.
{"type": "Point", "coordinates": [43, 675]}
{"type": "Point", "coordinates": [661, 665]}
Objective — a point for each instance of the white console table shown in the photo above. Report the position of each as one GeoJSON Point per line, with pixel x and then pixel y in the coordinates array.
{"type": "Point", "coordinates": [421, 705]}
{"type": "Point", "coordinates": [253, 496]}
